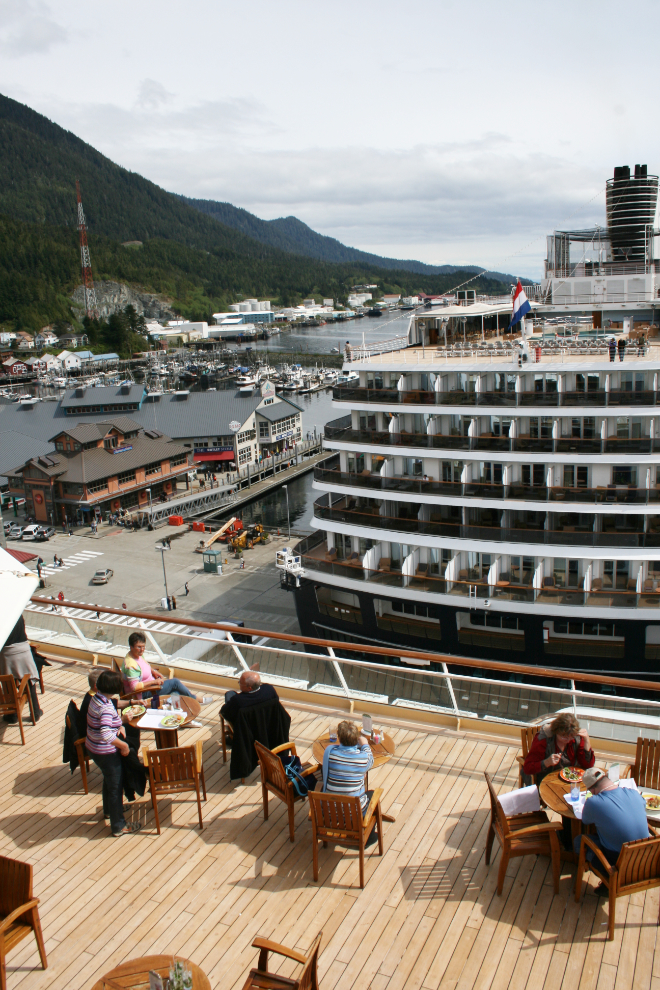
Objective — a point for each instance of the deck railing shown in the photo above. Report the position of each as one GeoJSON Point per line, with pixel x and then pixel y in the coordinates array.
{"type": "Point", "coordinates": [460, 397]}
{"type": "Point", "coordinates": [393, 680]}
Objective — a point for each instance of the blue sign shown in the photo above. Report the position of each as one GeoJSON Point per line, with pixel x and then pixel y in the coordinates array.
{"type": "Point", "coordinates": [120, 450]}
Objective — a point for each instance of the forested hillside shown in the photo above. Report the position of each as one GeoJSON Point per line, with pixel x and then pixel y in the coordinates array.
{"type": "Point", "coordinates": [199, 263]}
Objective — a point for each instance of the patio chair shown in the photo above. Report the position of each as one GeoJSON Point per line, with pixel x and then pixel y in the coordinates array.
{"type": "Point", "coordinates": [13, 698]}
{"type": "Point", "coordinates": [637, 869]}
{"type": "Point", "coordinates": [173, 771]}
{"type": "Point", "coordinates": [338, 818]}
{"type": "Point", "coordinates": [275, 780]}
{"type": "Point", "coordinates": [19, 913]}
{"type": "Point", "coordinates": [645, 771]}
{"type": "Point", "coordinates": [529, 834]}
{"type": "Point", "coordinates": [527, 734]}
{"type": "Point", "coordinates": [261, 979]}
{"type": "Point", "coordinates": [81, 752]}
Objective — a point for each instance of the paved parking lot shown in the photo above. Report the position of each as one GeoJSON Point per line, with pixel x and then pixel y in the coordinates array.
{"type": "Point", "coordinates": [252, 594]}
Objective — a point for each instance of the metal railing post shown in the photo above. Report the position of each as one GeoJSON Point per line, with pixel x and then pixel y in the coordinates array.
{"type": "Point", "coordinates": [241, 658]}
{"type": "Point", "coordinates": [73, 625]}
{"type": "Point", "coordinates": [450, 688]}
{"type": "Point", "coordinates": [574, 697]}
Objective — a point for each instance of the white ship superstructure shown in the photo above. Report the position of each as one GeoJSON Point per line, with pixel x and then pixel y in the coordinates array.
{"type": "Point", "coordinates": [493, 500]}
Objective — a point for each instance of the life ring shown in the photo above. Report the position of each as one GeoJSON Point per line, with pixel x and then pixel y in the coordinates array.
{"type": "Point", "coordinates": [38, 497]}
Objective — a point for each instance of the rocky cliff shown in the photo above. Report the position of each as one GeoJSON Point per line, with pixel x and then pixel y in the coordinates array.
{"type": "Point", "coordinates": [113, 297]}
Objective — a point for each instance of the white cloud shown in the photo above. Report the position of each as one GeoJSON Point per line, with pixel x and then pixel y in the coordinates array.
{"type": "Point", "coordinates": [27, 28]}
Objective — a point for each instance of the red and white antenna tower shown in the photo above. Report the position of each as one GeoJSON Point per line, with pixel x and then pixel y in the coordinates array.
{"type": "Point", "coordinates": [88, 281]}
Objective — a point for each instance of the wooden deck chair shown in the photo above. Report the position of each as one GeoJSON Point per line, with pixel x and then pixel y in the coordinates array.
{"type": "Point", "coordinates": [338, 819]}
{"type": "Point", "coordinates": [83, 756]}
{"type": "Point", "coordinates": [261, 979]}
{"type": "Point", "coordinates": [275, 780]}
{"type": "Point", "coordinates": [19, 914]}
{"type": "Point", "coordinates": [521, 835]}
{"type": "Point", "coordinates": [13, 698]}
{"type": "Point", "coordinates": [172, 771]}
{"type": "Point", "coordinates": [636, 869]}
{"type": "Point", "coordinates": [645, 771]}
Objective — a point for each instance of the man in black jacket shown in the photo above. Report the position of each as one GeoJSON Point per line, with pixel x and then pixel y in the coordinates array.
{"type": "Point", "coordinates": [252, 692]}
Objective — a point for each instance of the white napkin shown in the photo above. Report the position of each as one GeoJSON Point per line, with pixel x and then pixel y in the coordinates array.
{"type": "Point", "coordinates": [577, 806]}
{"type": "Point", "coordinates": [520, 801]}
{"type": "Point", "coordinates": [627, 782]}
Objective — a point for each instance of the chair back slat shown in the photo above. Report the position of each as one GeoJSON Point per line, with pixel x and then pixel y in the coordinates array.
{"type": "Point", "coordinates": [273, 770]}
{"type": "Point", "coordinates": [15, 884]}
{"type": "Point", "coordinates": [499, 819]}
{"type": "Point", "coordinates": [172, 769]}
{"type": "Point", "coordinates": [638, 862]}
{"type": "Point", "coordinates": [309, 977]}
{"type": "Point", "coordinates": [336, 813]}
{"type": "Point", "coordinates": [647, 763]}
{"type": "Point", "coordinates": [527, 734]}
{"type": "Point", "coordinates": [8, 692]}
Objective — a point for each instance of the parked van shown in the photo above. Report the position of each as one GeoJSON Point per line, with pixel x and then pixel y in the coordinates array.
{"type": "Point", "coordinates": [30, 532]}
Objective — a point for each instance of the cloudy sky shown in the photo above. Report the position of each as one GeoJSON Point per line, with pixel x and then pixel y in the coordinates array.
{"type": "Point", "coordinates": [453, 131]}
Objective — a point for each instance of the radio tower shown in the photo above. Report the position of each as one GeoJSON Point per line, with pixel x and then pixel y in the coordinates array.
{"type": "Point", "coordinates": [88, 281]}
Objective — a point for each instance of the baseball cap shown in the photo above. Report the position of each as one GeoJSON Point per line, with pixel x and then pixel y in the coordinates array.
{"type": "Point", "coordinates": [592, 776]}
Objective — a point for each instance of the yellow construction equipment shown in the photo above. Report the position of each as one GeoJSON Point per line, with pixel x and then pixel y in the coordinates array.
{"type": "Point", "coordinates": [205, 544]}
{"type": "Point", "coordinates": [248, 537]}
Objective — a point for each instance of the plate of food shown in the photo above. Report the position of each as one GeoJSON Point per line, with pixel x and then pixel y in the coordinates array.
{"type": "Point", "coordinates": [652, 801]}
{"type": "Point", "coordinates": [172, 721]}
{"type": "Point", "coordinates": [134, 711]}
{"type": "Point", "coordinates": [572, 775]}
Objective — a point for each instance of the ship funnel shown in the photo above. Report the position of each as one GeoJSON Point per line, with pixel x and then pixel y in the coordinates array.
{"type": "Point", "coordinates": [631, 203]}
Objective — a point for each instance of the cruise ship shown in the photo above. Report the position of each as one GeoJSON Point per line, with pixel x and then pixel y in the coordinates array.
{"type": "Point", "coordinates": [497, 495]}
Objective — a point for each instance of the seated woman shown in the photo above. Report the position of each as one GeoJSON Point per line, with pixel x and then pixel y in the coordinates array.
{"type": "Point", "coordinates": [138, 676]}
{"type": "Point", "coordinates": [557, 744]}
{"type": "Point", "coordinates": [346, 765]}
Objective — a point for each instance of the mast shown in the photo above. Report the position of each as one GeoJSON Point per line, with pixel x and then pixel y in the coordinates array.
{"type": "Point", "coordinates": [91, 308]}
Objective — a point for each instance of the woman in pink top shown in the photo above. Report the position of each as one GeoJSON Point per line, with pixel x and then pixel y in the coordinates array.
{"type": "Point", "coordinates": [138, 676]}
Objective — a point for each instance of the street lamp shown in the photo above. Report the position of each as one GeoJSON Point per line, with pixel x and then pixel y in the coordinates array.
{"type": "Point", "coordinates": [162, 548]}
{"type": "Point", "coordinates": [288, 520]}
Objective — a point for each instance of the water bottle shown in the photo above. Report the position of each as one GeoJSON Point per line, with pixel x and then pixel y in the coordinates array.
{"type": "Point", "coordinates": [575, 793]}
{"type": "Point", "coordinates": [174, 699]}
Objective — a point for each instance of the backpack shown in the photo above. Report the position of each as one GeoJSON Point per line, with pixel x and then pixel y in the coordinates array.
{"type": "Point", "coordinates": [293, 770]}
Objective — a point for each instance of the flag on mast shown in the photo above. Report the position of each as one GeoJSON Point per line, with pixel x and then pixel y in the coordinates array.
{"type": "Point", "coordinates": [521, 306]}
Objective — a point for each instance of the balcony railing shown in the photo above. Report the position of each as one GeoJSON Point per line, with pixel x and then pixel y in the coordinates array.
{"type": "Point", "coordinates": [459, 397]}
{"type": "Point", "coordinates": [610, 494]}
{"type": "Point", "coordinates": [574, 536]}
{"type": "Point", "coordinates": [397, 678]}
{"type": "Point", "coordinates": [479, 588]}
{"type": "Point", "coordinates": [497, 444]}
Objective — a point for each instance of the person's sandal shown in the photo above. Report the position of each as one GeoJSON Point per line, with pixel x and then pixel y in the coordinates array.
{"type": "Point", "coordinates": [128, 829]}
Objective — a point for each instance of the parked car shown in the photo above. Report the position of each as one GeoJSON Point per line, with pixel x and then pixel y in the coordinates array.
{"type": "Point", "coordinates": [30, 532]}
{"type": "Point", "coordinates": [102, 577]}
{"type": "Point", "coordinates": [44, 533]}
{"type": "Point", "coordinates": [15, 531]}
{"type": "Point", "coordinates": [7, 526]}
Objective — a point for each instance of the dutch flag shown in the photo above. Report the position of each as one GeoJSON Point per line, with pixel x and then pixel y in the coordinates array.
{"type": "Point", "coordinates": [520, 306]}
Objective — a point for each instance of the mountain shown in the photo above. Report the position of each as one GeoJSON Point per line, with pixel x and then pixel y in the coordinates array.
{"type": "Point", "coordinates": [291, 234]}
{"type": "Point", "coordinates": [197, 262]}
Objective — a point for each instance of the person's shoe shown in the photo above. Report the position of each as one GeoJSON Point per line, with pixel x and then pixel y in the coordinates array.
{"type": "Point", "coordinates": [128, 829]}
{"type": "Point", "coordinates": [10, 719]}
{"type": "Point", "coordinates": [204, 699]}
{"type": "Point", "coordinates": [602, 890]}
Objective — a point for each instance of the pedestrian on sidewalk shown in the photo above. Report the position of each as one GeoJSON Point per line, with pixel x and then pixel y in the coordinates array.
{"type": "Point", "coordinates": [186, 587]}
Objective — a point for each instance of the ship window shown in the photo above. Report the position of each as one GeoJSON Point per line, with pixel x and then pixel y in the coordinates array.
{"type": "Point", "coordinates": [592, 383]}
{"type": "Point", "coordinates": [533, 475]}
{"type": "Point", "coordinates": [616, 574]}
{"type": "Point", "coordinates": [452, 471]}
{"type": "Point", "coordinates": [622, 475]}
{"type": "Point", "coordinates": [576, 476]}
{"type": "Point", "coordinates": [413, 466]}
{"type": "Point", "coordinates": [355, 463]}
{"type": "Point", "coordinates": [522, 570]}
{"type": "Point", "coordinates": [500, 427]}
{"type": "Point", "coordinates": [622, 427]}
{"type": "Point", "coordinates": [339, 605]}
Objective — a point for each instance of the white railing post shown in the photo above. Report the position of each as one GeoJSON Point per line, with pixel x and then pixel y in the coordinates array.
{"type": "Point", "coordinates": [450, 688]}
{"type": "Point", "coordinates": [241, 658]}
{"type": "Point", "coordinates": [74, 625]}
{"type": "Point", "coordinates": [574, 698]}
{"type": "Point", "coordinates": [340, 675]}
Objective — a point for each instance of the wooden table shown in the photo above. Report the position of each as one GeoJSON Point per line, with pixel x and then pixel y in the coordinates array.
{"type": "Point", "coordinates": [134, 974]}
{"type": "Point", "coordinates": [169, 738]}
{"type": "Point", "coordinates": [552, 789]}
{"type": "Point", "coordinates": [382, 751]}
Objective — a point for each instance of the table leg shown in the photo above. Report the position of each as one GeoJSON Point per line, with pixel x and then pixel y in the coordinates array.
{"type": "Point", "coordinates": [166, 738]}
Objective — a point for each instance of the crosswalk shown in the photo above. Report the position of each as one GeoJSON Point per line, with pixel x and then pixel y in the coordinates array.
{"type": "Point", "coordinates": [68, 562]}
{"type": "Point", "coordinates": [94, 611]}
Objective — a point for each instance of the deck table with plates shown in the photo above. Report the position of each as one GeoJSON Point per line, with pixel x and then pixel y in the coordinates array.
{"type": "Point", "coordinates": [134, 974]}
{"type": "Point", "coordinates": [155, 720]}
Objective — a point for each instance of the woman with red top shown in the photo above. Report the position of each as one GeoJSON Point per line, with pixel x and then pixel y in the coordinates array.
{"type": "Point", "coordinates": [560, 743]}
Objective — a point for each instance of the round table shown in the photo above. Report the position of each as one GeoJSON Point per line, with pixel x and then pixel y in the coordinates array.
{"type": "Point", "coordinates": [169, 738]}
{"type": "Point", "coordinates": [134, 974]}
{"type": "Point", "coordinates": [551, 790]}
{"type": "Point", "coordinates": [382, 751]}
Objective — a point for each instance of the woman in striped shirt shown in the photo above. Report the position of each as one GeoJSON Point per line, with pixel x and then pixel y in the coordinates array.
{"type": "Point", "coordinates": [345, 766]}
{"type": "Point", "coordinates": [106, 745]}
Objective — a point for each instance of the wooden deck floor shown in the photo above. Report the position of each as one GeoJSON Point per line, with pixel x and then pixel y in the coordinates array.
{"type": "Point", "coordinates": [429, 916]}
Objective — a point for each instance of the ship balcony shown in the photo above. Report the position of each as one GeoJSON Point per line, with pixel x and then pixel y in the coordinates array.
{"type": "Point", "coordinates": [495, 444]}
{"type": "Point", "coordinates": [492, 525]}
{"type": "Point", "coordinates": [406, 485]}
{"type": "Point", "coordinates": [460, 398]}
{"type": "Point", "coordinates": [499, 578]}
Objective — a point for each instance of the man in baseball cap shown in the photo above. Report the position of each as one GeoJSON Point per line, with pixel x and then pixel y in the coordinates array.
{"type": "Point", "coordinates": [619, 814]}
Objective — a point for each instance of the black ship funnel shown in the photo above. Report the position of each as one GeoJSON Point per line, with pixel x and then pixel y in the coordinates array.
{"type": "Point", "coordinates": [631, 202]}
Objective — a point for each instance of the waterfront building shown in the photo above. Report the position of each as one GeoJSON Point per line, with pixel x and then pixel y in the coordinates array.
{"type": "Point", "coordinates": [98, 468]}
{"type": "Point", "coordinates": [221, 429]}
{"type": "Point", "coordinates": [497, 500]}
